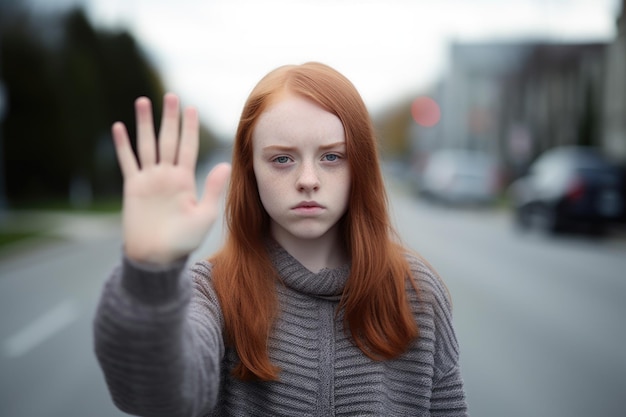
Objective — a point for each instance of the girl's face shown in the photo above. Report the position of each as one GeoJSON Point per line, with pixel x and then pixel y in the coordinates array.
{"type": "Point", "coordinates": [303, 177]}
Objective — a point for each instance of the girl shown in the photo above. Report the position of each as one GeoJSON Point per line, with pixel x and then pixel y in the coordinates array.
{"type": "Point", "coordinates": [311, 307]}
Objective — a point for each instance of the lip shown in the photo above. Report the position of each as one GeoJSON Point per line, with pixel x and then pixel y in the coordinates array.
{"type": "Point", "coordinates": [308, 207]}
{"type": "Point", "coordinates": [307, 204]}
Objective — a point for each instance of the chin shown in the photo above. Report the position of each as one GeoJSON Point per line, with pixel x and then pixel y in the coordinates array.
{"type": "Point", "coordinates": [304, 231]}
{"type": "Point", "coordinates": [309, 234]}
{"type": "Point", "coordinates": [305, 234]}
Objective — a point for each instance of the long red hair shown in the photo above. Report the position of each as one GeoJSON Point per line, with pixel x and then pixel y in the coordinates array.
{"type": "Point", "coordinates": [376, 310]}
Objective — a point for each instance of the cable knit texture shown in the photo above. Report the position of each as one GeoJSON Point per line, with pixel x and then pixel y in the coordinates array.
{"type": "Point", "coordinates": [159, 340]}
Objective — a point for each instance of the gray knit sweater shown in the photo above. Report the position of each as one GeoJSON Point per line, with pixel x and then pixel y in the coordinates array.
{"type": "Point", "coordinates": [159, 340]}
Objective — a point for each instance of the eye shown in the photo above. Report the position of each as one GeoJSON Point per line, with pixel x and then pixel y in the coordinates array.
{"type": "Point", "coordinates": [331, 157]}
{"type": "Point", "coordinates": [281, 159]}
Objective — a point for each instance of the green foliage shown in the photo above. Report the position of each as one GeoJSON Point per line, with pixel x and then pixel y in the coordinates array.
{"type": "Point", "coordinates": [64, 92]}
{"type": "Point", "coordinates": [393, 128]}
{"type": "Point", "coordinates": [33, 114]}
{"type": "Point", "coordinates": [10, 238]}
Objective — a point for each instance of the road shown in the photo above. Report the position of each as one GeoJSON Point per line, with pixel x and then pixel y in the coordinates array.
{"type": "Point", "coordinates": [539, 319]}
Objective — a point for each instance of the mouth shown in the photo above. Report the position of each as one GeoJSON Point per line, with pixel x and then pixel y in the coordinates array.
{"type": "Point", "coordinates": [308, 205]}
{"type": "Point", "coordinates": [308, 208]}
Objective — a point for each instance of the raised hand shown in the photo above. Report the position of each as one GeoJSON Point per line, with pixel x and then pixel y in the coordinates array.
{"type": "Point", "coordinates": [162, 218]}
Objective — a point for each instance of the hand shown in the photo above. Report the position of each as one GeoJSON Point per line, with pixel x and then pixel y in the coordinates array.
{"type": "Point", "coordinates": [162, 217]}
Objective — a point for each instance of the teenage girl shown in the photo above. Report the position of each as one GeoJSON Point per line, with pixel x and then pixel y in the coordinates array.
{"type": "Point", "coordinates": [312, 307]}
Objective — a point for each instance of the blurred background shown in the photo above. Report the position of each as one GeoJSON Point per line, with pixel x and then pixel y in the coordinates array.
{"type": "Point", "coordinates": [502, 128]}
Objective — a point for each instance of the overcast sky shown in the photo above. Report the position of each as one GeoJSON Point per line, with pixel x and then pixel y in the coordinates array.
{"type": "Point", "coordinates": [212, 52]}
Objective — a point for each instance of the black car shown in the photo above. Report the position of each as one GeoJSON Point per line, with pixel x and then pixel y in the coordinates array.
{"type": "Point", "coordinates": [569, 188]}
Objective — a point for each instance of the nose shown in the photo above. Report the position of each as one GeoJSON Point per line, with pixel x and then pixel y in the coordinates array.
{"type": "Point", "coordinates": [308, 179]}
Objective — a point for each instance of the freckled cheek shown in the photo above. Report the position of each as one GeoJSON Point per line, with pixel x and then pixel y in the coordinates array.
{"type": "Point", "coordinates": [271, 186]}
{"type": "Point", "coordinates": [346, 187]}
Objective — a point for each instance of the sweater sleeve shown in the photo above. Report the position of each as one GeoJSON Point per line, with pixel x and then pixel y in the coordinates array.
{"type": "Point", "coordinates": [448, 394]}
{"type": "Point", "coordinates": [158, 339]}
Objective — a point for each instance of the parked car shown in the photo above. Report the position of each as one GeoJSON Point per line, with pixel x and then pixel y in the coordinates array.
{"type": "Point", "coordinates": [459, 177]}
{"type": "Point", "coordinates": [569, 188]}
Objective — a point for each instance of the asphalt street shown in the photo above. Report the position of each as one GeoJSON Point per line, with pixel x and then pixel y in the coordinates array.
{"type": "Point", "coordinates": [539, 319]}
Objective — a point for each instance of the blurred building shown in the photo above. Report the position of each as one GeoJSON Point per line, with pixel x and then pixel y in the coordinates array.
{"type": "Point", "coordinates": [555, 98]}
{"type": "Point", "coordinates": [515, 100]}
{"type": "Point", "coordinates": [471, 96]}
{"type": "Point", "coordinates": [614, 120]}
{"type": "Point", "coordinates": [474, 91]}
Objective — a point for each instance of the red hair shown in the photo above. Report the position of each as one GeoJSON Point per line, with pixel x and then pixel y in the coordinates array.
{"type": "Point", "coordinates": [376, 310]}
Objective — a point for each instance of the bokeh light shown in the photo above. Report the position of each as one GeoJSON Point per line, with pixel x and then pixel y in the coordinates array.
{"type": "Point", "coordinates": [425, 111]}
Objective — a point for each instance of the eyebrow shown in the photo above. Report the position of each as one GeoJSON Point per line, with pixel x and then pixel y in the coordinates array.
{"type": "Point", "coordinates": [291, 148]}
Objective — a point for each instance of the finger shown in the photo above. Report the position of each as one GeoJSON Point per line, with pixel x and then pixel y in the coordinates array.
{"type": "Point", "coordinates": [146, 146]}
{"type": "Point", "coordinates": [189, 139]}
{"type": "Point", "coordinates": [169, 131]}
{"type": "Point", "coordinates": [124, 151]}
{"type": "Point", "coordinates": [215, 184]}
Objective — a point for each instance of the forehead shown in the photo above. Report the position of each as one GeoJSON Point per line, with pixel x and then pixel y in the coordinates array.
{"type": "Point", "coordinates": [293, 119]}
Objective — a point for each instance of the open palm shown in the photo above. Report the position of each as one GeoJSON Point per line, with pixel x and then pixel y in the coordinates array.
{"type": "Point", "coordinates": [162, 218]}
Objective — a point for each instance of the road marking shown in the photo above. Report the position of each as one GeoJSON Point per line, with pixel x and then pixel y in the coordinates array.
{"type": "Point", "coordinates": [41, 329]}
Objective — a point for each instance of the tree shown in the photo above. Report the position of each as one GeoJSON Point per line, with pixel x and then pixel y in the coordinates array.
{"type": "Point", "coordinates": [63, 94]}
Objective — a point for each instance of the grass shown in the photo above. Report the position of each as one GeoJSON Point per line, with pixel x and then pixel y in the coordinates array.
{"type": "Point", "coordinates": [17, 229]}
{"type": "Point", "coordinates": [8, 239]}
{"type": "Point", "coordinates": [111, 205]}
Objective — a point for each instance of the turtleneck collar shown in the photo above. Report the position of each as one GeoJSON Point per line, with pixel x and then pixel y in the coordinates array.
{"type": "Point", "coordinates": [327, 283]}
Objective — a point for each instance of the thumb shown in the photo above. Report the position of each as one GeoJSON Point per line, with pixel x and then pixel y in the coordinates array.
{"type": "Point", "coordinates": [215, 184]}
